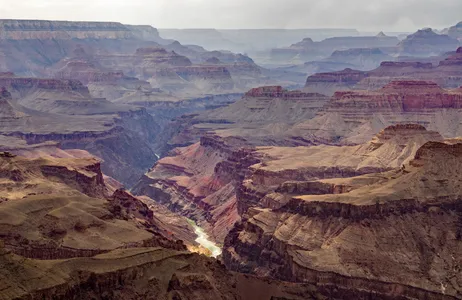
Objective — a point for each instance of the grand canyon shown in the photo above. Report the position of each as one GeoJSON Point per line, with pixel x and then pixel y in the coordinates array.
{"type": "Point", "coordinates": [139, 162]}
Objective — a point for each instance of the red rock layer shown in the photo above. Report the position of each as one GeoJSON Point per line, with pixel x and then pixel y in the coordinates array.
{"type": "Point", "coordinates": [446, 74]}
{"type": "Point", "coordinates": [199, 181]}
{"type": "Point", "coordinates": [365, 233]}
{"type": "Point", "coordinates": [398, 96]}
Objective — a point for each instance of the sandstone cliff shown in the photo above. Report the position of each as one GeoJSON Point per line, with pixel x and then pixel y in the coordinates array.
{"type": "Point", "coordinates": [62, 236]}
{"type": "Point", "coordinates": [199, 181]}
{"type": "Point", "coordinates": [263, 116]}
{"type": "Point", "coordinates": [363, 229]}
{"type": "Point", "coordinates": [41, 110]}
{"type": "Point", "coordinates": [362, 113]}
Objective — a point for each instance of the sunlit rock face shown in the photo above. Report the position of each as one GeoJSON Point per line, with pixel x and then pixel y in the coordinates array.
{"type": "Point", "coordinates": [309, 212]}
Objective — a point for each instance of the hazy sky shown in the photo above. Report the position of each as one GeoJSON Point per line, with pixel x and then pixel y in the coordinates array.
{"type": "Point", "coordinates": [404, 15]}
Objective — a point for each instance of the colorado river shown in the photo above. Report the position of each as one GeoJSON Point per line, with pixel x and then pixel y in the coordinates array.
{"type": "Point", "coordinates": [203, 240]}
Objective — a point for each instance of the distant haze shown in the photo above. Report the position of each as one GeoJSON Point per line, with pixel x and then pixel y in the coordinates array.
{"type": "Point", "coordinates": [365, 15]}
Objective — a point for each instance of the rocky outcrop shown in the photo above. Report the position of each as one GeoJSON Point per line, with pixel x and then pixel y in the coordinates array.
{"type": "Point", "coordinates": [445, 73]}
{"type": "Point", "coordinates": [207, 73]}
{"type": "Point", "coordinates": [426, 42]}
{"type": "Point", "coordinates": [58, 208]}
{"type": "Point", "coordinates": [23, 85]}
{"type": "Point", "coordinates": [328, 83]}
{"type": "Point", "coordinates": [153, 273]}
{"type": "Point", "coordinates": [62, 235]}
{"type": "Point", "coordinates": [80, 122]}
{"type": "Point", "coordinates": [262, 117]}
{"type": "Point", "coordinates": [284, 172]}
{"type": "Point", "coordinates": [454, 60]}
{"type": "Point", "coordinates": [326, 233]}
{"type": "Point", "coordinates": [363, 112]}
{"type": "Point", "coordinates": [154, 217]}
{"type": "Point", "coordinates": [199, 181]}
{"type": "Point", "coordinates": [162, 56]}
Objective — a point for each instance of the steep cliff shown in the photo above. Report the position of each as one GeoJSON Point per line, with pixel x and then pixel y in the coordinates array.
{"type": "Point", "coordinates": [60, 208]}
{"type": "Point", "coordinates": [262, 117]}
{"type": "Point", "coordinates": [398, 228]}
{"type": "Point", "coordinates": [63, 236]}
{"type": "Point", "coordinates": [328, 83]}
{"type": "Point", "coordinates": [199, 181]}
{"type": "Point", "coordinates": [149, 273]}
{"type": "Point", "coordinates": [285, 171]}
{"type": "Point", "coordinates": [62, 111]}
{"type": "Point", "coordinates": [363, 112]}
{"type": "Point", "coordinates": [446, 73]}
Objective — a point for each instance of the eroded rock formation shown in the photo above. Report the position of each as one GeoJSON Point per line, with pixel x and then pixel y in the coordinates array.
{"type": "Point", "coordinates": [381, 230]}
{"type": "Point", "coordinates": [62, 235]}
{"type": "Point", "coordinates": [361, 113]}
{"type": "Point", "coordinates": [446, 73]}
{"type": "Point", "coordinates": [40, 110]}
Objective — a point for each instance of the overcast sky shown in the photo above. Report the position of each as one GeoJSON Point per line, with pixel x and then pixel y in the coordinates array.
{"type": "Point", "coordinates": [366, 15]}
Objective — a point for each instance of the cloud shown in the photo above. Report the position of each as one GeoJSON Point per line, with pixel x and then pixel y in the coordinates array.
{"type": "Point", "coordinates": [374, 15]}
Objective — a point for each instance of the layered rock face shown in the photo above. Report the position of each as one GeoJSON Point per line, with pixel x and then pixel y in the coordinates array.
{"type": "Point", "coordinates": [30, 47]}
{"type": "Point", "coordinates": [447, 74]}
{"type": "Point", "coordinates": [86, 72]}
{"type": "Point", "coordinates": [329, 83]}
{"type": "Point", "coordinates": [199, 181]}
{"type": "Point", "coordinates": [144, 62]}
{"type": "Point", "coordinates": [112, 48]}
{"type": "Point", "coordinates": [285, 171]}
{"type": "Point", "coordinates": [202, 181]}
{"type": "Point", "coordinates": [65, 210]}
{"type": "Point", "coordinates": [426, 42]}
{"type": "Point", "coordinates": [361, 113]}
{"type": "Point", "coordinates": [263, 116]}
{"type": "Point", "coordinates": [102, 82]}
{"type": "Point", "coordinates": [376, 230]}
{"type": "Point", "coordinates": [147, 33]}
{"type": "Point", "coordinates": [63, 235]}
{"type": "Point", "coordinates": [147, 273]}
{"type": "Point", "coordinates": [452, 63]}
{"type": "Point", "coordinates": [40, 110]}
{"type": "Point", "coordinates": [172, 72]}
